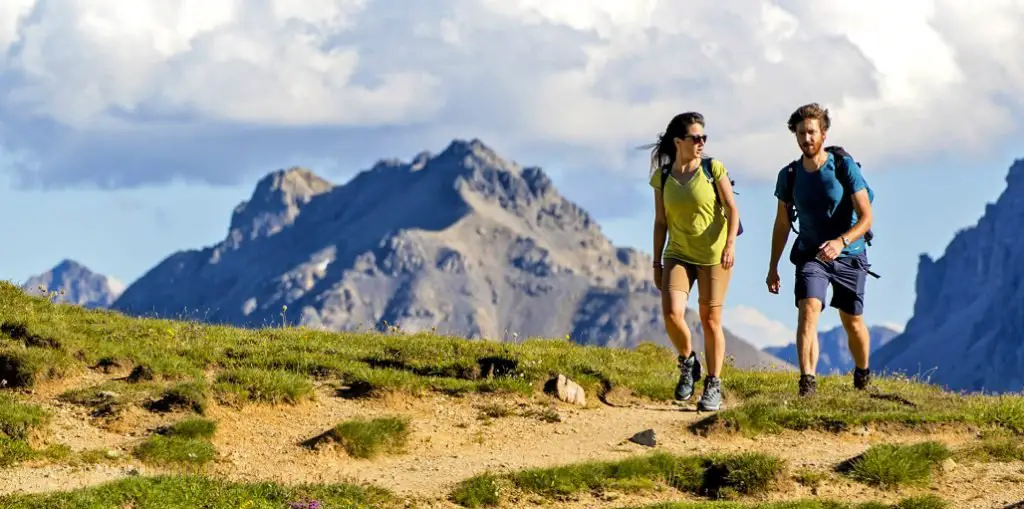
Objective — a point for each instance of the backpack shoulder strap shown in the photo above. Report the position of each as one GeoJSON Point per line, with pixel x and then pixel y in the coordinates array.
{"type": "Point", "coordinates": [705, 166]}
{"type": "Point", "coordinates": [841, 156]}
{"type": "Point", "coordinates": [665, 170]}
{"type": "Point", "coordinates": [790, 170]}
{"type": "Point", "coordinates": [787, 194]}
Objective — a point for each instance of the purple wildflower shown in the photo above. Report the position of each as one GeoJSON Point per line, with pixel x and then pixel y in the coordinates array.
{"type": "Point", "coordinates": [306, 504]}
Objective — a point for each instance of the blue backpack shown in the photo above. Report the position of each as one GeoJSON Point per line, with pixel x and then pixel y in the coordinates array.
{"type": "Point", "coordinates": [705, 166]}
{"type": "Point", "coordinates": [839, 154]}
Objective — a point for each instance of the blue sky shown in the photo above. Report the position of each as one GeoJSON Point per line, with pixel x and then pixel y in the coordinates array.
{"type": "Point", "coordinates": [129, 131]}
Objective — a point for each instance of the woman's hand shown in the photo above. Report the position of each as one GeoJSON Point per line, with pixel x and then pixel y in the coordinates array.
{"type": "Point", "coordinates": [728, 256]}
{"type": "Point", "coordinates": [657, 277]}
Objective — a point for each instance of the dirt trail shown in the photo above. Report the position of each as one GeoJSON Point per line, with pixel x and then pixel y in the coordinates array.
{"type": "Point", "coordinates": [450, 443]}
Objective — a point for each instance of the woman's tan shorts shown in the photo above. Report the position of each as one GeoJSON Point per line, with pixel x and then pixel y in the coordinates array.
{"type": "Point", "coordinates": [712, 281]}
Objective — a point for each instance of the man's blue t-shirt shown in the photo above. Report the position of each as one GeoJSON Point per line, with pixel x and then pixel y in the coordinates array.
{"type": "Point", "coordinates": [824, 204]}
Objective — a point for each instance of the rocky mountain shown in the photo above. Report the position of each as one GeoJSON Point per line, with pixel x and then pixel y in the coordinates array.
{"type": "Point", "coordinates": [968, 323]}
{"type": "Point", "coordinates": [80, 285]}
{"type": "Point", "coordinates": [833, 352]}
{"type": "Point", "coordinates": [463, 242]}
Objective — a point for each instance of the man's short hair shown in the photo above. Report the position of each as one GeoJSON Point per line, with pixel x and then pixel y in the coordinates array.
{"type": "Point", "coordinates": [808, 111]}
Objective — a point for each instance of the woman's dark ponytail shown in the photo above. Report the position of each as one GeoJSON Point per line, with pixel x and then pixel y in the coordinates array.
{"type": "Point", "coordinates": [664, 153]}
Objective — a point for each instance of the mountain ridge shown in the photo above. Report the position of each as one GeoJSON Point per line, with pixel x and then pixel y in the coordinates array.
{"type": "Point", "coordinates": [969, 311]}
{"type": "Point", "coordinates": [80, 285]}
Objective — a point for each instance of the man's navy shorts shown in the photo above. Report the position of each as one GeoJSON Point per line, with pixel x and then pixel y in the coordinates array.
{"type": "Point", "coordinates": [846, 275]}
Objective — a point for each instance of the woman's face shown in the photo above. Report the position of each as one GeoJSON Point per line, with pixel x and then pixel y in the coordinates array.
{"type": "Point", "coordinates": [691, 146]}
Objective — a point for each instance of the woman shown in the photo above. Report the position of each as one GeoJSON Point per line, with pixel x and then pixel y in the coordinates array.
{"type": "Point", "coordinates": [701, 229]}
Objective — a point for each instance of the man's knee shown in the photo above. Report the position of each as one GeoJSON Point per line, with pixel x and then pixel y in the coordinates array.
{"type": "Point", "coordinates": [852, 322]}
{"type": "Point", "coordinates": [809, 311]}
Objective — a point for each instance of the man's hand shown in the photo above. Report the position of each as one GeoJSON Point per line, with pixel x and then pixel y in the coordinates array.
{"type": "Point", "coordinates": [728, 256]}
{"type": "Point", "coordinates": [830, 250]}
{"type": "Point", "coordinates": [773, 281]}
{"type": "Point", "coordinates": [657, 277]}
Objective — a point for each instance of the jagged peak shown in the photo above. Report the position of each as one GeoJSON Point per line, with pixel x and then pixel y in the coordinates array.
{"type": "Point", "coordinates": [463, 147]}
{"type": "Point", "coordinates": [1016, 173]}
{"type": "Point", "coordinates": [473, 154]}
{"type": "Point", "coordinates": [294, 180]}
{"type": "Point", "coordinates": [458, 156]}
{"type": "Point", "coordinates": [276, 199]}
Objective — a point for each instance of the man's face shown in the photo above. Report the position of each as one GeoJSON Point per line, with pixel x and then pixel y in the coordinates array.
{"type": "Point", "coordinates": [810, 137]}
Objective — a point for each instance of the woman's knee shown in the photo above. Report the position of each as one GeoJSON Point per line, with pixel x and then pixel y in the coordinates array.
{"type": "Point", "coordinates": [676, 317]}
{"type": "Point", "coordinates": [711, 317]}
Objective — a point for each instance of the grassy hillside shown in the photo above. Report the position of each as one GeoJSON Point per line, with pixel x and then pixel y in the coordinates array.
{"type": "Point", "coordinates": [195, 373]}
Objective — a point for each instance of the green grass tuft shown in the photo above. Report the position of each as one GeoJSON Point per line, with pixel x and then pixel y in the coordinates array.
{"type": "Point", "coordinates": [483, 490]}
{"type": "Point", "coordinates": [889, 466]}
{"type": "Point", "coordinates": [263, 385]}
{"type": "Point", "coordinates": [13, 451]}
{"type": "Point", "coordinates": [368, 438]}
{"type": "Point", "coordinates": [171, 450]}
{"type": "Point", "coordinates": [18, 419]}
{"type": "Point", "coordinates": [749, 473]}
{"type": "Point", "coordinates": [191, 428]}
{"type": "Point", "coordinates": [191, 395]}
{"type": "Point", "coordinates": [22, 367]}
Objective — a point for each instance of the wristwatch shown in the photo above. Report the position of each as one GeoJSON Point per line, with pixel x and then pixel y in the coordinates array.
{"type": "Point", "coordinates": [846, 243]}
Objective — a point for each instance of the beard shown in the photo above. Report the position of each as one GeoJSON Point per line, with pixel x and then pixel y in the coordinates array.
{"type": "Point", "coordinates": [811, 149]}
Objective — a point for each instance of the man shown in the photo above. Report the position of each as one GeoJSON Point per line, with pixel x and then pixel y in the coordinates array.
{"type": "Point", "coordinates": [833, 206]}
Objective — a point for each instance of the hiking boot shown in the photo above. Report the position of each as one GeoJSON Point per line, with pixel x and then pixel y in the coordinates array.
{"type": "Point", "coordinates": [808, 385]}
{"type": "Point", "coordinates": [861, 378]}
{"type": "Point", "coordinates": [711, 400]}
{"type": "Point", "coordinates": [689, 375]}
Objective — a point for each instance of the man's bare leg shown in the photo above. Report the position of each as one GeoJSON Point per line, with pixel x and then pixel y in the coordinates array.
{"type": "Point", "coordinates": [807, 343]}
{"type": "Point", "coordinates": [858, 339]}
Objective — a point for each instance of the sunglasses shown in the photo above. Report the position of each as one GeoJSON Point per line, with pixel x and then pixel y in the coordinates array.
{"type": "Point", "coordinates": [696, 138]}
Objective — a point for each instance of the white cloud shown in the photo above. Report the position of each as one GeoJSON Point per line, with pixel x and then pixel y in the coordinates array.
{"type": "Point", "coordinates": [756, 328]}
{"type": "Point", "coordinates": [85, 80]}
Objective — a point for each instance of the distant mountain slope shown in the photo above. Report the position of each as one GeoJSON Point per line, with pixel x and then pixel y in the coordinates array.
{"type": "Point", "coordinates": [81, 286]}
{"type": "Point", "coordinates": [833, 352]}
{"type": "Point", "coordinates": [968, 323]}
{"type": "Point", "coordinates": [463, 242]}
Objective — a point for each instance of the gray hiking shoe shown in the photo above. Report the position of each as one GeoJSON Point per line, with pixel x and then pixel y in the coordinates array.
{"type": "Point", "coordinates": [689, 375]}
{"type": "Point", "coordinates": [711, 400]}
{"type": "Point", "coordinates": [861, 379]}
{"type": "Point", "coordinates": [808, 385]}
